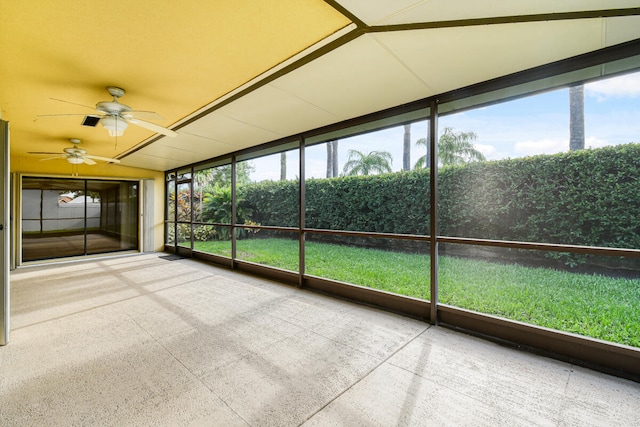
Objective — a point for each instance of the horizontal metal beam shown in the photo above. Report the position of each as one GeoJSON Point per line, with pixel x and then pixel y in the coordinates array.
{"type": "Point", "coordinates": [406, 306]}
{"type": "Point", "coordinates": [512, 19]}
{"type": "Point", "coordinates": [604, 356]}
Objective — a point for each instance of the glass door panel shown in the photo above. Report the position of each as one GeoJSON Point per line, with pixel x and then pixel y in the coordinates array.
{"type": "Point", "coordinates": [112, 216]}
{"type": "Point", "coordinates": [76, 217]}
{"type": "Point", "coordinates": [53, 218]}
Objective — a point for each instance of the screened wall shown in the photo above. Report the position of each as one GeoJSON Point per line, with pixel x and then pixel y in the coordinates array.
{"type": "Point", "coordinates": [510, 209]}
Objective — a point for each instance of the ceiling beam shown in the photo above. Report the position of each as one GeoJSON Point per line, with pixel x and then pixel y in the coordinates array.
{"type": "Point", "coordinates": [495, 20]}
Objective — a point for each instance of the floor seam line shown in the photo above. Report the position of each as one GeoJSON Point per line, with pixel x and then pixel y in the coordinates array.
{"type": "Point", "coordinates": [363, 376]}
{"type": "Point", "coordinates": [193, 374]}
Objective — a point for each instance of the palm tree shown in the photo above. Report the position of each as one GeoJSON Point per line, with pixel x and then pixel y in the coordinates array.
{"type": "Point", "coordinates": [454, 148]}
{"type": "Point", "coordinates": [576, 117]}
{"type": "Point", "coordinates": [200, 179]}
{"type": "Point", "coordinates": [359, 163]}
{"type": "Point", "coordinates": [406, 148]}
{"type": "Point", "coordinates": [424, 161]}
{"type": "Point", "coordinates": [332, 158]}
{"type": "Point", "coordinates": [283, 166]}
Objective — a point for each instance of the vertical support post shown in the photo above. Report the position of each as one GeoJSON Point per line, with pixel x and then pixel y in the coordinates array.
{"type": "Point", "coordinates": [167, 202]}
{"type": "Point", "coordinates": [433, 229]}
{"type": "Point", "coordinates": [192, 205]}
{"type": "Point", "coordinates": [84, 220]}
{"type": "Point", "coordinates": [15, 243]}
{"type": "Point", "coordinates": [233, 212]}
{"type": "Point", "coordinates": [5, 231]}
{"type": "Point", "coordinates": [175, 214]}
{"type": "Point", "coordinates": [301, 221]}
{"type": "Point", "coordinates": [147, 215]}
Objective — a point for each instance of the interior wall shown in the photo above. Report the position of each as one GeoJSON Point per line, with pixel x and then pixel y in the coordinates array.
{"type": "Point", "coordinates": [61, 168]}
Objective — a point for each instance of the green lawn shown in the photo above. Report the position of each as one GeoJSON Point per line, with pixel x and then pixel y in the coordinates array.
{"type": "Point", "coordinates": [593, 305]}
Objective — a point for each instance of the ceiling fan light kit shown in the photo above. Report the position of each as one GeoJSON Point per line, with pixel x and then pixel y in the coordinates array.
{"type": "Point", "coordinates": [75, 160]}
{"type": "Point", "coordinates": [114, 125]}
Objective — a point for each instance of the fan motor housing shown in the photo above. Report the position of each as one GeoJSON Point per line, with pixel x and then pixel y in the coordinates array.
{"type": "Point", "coordinates": [111, 108]}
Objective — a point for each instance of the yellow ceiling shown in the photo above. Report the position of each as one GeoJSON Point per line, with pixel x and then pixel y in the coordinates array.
{"type": "Point", "coordinates": [171, 57]}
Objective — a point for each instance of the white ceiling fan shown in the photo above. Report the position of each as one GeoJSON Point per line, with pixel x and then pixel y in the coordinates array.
{"type": "Point", "coordinates": [115, 117]}
{"type": "Point", "coordinates": [75, 155]}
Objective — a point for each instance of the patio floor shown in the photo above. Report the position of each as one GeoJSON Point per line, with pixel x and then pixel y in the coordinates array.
{"type": "Point", "coordinates": [143, 340]}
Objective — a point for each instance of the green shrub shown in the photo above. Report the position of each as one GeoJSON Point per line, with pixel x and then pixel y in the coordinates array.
{"type": "Point", "coordinates": [587, 197]}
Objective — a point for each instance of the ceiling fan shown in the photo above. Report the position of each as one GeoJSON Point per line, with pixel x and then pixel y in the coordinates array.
{"type": "Point", "coordinates": [115, 117]}
{"type": "Point", "coordinates": [75, 155]}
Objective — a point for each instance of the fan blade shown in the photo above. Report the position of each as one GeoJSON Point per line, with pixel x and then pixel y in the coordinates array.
{"type": "Point", "coordinates": [74, 103]}
{"type": "Point", "coordinates": [104, 159]}
{"type": "Point", "coordinates": [154, 127]}
{"type": "Point", "coordinates": [88, 161]}
{"type": "Point", "coordinates": [41, 152]}
{"type": "Point", "coordinates": [59, 156]}
{"type": "Point", "coordinates": [144, 115]}
{"type": "Point", "coordinates": [58, 115]}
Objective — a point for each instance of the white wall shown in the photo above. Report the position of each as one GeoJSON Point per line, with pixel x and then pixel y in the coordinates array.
{"type": "Point", "coordinates": [56, 215]}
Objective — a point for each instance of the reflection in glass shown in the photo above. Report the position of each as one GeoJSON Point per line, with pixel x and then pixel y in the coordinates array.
{"type": "Point", "coordinates": [183, 205]}
{"type": "Point", "coordinates": [396, 266]}
{"type": "Point", "coordinates": [170, 228]}
{"type": "Point", "coordinates": [171, 197]}
{"type": "Point", "coordinates": [184, 174]}
{"type": "Point", "coordinates": [600, 299]}
{"type": "Point", "coordinates": [170, 232]}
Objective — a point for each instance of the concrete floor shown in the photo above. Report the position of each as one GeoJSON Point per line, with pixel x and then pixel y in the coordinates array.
{"type": "Point", "coordinates": [141, 340]}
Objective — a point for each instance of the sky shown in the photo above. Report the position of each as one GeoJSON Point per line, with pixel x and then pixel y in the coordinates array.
{"type": "Point", "coordinates": [533, 125]}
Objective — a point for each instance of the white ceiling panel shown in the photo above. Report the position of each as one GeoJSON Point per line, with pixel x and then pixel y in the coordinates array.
{"type": "Point", "coordinates": [448, 59]}
{"type": "Point", "coordinates": [355, 79]}
{"type": "Point", "coordinates": [208, 137]}
{"type": "Point", "coordinates": [277, 111]}
{"type": "Point", "coordinates": [619, 30]}
{"type": "Point", "coordinates": [174, 153]}
{"type": "Point", "coordinates": [406, 11]}
{"type": "Point", "coordinates": [140, 160]}
{"type": "Point", "coordinates": [179, 151]}
{"type": "Point", "coordinates": [228, 130]}
{"type": "Point", "coordinates": [195, 144]}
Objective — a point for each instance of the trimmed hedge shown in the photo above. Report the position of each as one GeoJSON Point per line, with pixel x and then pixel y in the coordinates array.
{"type": "Point", "coordinates": [588, 197]}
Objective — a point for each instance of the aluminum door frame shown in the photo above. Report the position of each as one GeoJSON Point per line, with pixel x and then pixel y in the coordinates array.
{"type": "Point", "coordinates": [5, 203]}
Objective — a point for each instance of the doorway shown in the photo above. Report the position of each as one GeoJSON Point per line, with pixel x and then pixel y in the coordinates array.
{"type": "Point", "coordinates": [75, 217]}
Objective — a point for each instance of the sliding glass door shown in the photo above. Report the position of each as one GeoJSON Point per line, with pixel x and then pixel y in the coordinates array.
{"type": "Point", "coordinates": [75, 217]}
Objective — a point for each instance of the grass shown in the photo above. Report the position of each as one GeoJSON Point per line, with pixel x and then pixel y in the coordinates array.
{"type": "Point", "coordinates": [597, 306]}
